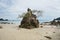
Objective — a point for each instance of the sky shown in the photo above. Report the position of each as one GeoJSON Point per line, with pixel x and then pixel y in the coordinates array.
{"type": "Point", "coordinates": [10, 9]}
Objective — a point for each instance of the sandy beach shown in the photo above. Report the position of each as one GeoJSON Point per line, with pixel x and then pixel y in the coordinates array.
{"type": "Point", "coordinates": [12, 32]}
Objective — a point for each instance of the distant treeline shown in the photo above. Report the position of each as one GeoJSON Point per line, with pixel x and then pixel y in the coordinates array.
{"type": "Point", "coordinates": [1, 19]}
{"type": "Point", "coordinates": [57, 18]}
{"type": "Point", "coordinates": [56, 21]}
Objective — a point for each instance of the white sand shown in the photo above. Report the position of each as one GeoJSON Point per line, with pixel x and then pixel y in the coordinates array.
{"type": "Point", "coordinates": [11, 32]}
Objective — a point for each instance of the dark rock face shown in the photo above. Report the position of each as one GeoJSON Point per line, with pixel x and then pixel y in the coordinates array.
{"type": "Point", "coordinates": [29, 21]}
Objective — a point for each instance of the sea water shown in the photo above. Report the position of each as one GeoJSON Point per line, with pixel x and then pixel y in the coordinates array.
{"type": "Point", "coordinates": [19, 21]}
{"type": "Point", "coordinates": [11, 22]}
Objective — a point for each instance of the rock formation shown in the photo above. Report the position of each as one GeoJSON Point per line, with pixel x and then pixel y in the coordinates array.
{"type": "Point", "coordinates": [29, 20]}
{"type": "Point", "coordinates": [56, 21]}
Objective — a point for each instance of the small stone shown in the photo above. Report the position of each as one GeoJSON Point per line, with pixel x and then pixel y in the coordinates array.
{"type": "Point", "coordinates": [53, 32]}
{"type": "Point", "coordinates": [41, 26]}
{"type": "Point", "coordinates": [48, 37]}
{"type": "Point", "coordinates": [0, 27]}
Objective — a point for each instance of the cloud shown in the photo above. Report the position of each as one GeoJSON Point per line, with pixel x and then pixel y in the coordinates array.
{"type": "Point", "coordinates": [51, 8]}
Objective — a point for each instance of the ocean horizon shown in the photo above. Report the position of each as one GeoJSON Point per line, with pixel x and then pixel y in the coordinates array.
{"type": "Point", "coordinates": [19, 21]}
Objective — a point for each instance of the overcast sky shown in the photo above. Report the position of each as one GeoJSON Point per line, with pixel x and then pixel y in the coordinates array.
{"type": "Point", "coordinates": [11, 8]}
